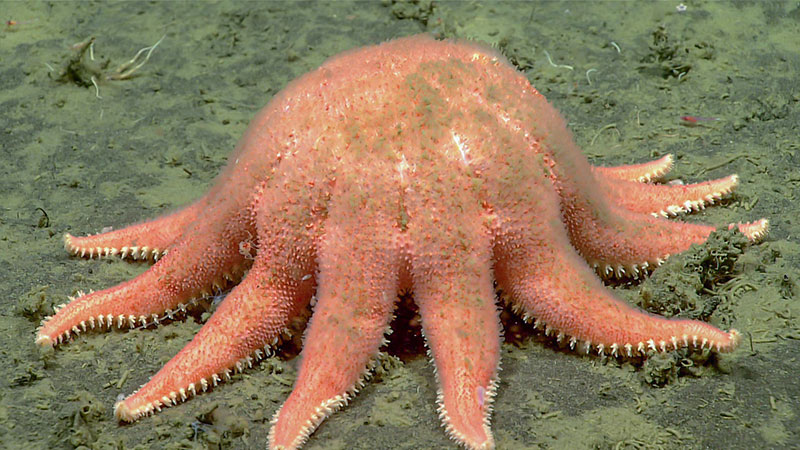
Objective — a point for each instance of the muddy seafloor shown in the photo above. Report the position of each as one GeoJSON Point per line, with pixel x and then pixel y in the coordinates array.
{"type": "Point", "coordinates": [77, 159]}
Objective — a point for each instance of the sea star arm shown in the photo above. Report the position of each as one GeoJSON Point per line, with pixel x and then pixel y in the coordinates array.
{"type": "Point", "coordinates": [623, 243]}
{"type": "Point", "coordinates": [253, 315]}
{"type": "Point", "coordinates": [642, 173]}
{"type": "Point", "coordinates": [146, 240]}
{"type": "Point", "coordinates": [452, 285]}
{"type": "Point", "coordinates": [667, 200]}
{"type": "Point", "coordinates": [358, 282]}
{"type": "Point", "coordinates": [610, 238]}
{"type": "Point", "coordinates": [547, 281]}
{"type": "Point", "coordinates": [203, 258]}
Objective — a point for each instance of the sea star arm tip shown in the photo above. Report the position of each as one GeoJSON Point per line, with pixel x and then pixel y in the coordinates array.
{"type": "Point", "coordinates": [641, 173]}
{"type": "Point", "coordinates": [147, 240]}
{"type": "Point", "coordinates": [755, 231]}
{"type": "Point", "coordinates": [44, 340]}
{"type": "Point", "coordinates": [666, 200]}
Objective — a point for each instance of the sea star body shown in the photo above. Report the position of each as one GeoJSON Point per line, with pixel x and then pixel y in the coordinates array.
{"type": "Point", "coordinates": [417, 165]}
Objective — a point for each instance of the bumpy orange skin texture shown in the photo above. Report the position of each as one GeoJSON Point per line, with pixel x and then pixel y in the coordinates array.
{"type": "Point", "coordinates": [416, 165]}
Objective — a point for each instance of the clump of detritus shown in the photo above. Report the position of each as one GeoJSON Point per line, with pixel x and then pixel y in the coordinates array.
{"type": "Point", "coordinates": [35, 305]}
{"type": "Point", "coordinates": [667, 57]}
{"type": "Point", "coordinates": [663, 368]}
{"type": "Point", "coordinates": [419, 10]}
{"type": "Point", "coordinates": [692, 284]}
{"type": "Point", "coordinates": [83, 69]}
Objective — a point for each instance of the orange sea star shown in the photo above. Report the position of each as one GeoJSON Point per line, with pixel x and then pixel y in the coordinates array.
{"type": "Point", "coordinates": [417, 165]}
